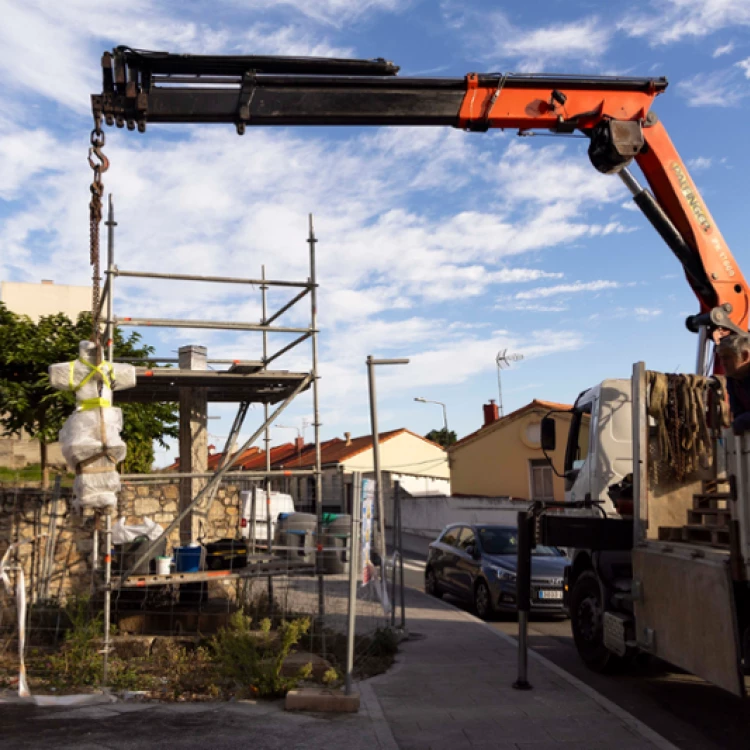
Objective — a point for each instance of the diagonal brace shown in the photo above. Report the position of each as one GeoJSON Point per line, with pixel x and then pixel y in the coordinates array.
{"type": "Point", "coordinates": [215, 480]}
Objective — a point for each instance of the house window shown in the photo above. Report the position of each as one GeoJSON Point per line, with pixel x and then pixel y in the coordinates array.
{"type": "Point", "coordinates": [541, 480]}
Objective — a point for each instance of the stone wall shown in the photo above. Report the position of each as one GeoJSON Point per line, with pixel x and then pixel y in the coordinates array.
{"type": "Point", "coordinates": [25, 516]}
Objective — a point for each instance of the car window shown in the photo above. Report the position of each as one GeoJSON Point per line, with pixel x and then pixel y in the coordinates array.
{"type": "Point", "coordinates": [450, 536]}
{"type": "Point", "coordinates": [466, 538]}
{"type": "Point", "coordinates": [498, 540]}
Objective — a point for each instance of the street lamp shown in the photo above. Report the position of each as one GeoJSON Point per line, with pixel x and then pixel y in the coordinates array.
{"type": "Point", "coordinates": [371, 364]}
{"type": "Point", "coordinates": [504, 360]}
{"type": "Point", "coordinates": [445, 414]}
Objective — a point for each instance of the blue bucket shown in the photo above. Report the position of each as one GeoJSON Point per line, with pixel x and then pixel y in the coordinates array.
{"type": "Point", "coordinates": [188, 559]}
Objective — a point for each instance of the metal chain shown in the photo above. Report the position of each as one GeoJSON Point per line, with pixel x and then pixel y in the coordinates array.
{"type": "Point", "coordinates": [100, 164]}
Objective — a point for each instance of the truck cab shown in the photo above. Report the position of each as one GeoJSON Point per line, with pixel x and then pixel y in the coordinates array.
{"type": "Point", "coordinates": [599, 451]}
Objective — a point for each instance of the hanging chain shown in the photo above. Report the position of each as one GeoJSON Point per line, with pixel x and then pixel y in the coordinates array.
{"type": "Point", "coordinates": [100, 164]}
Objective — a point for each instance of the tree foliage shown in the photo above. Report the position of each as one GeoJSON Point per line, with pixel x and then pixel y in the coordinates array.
{"type": "Point", "coordinates": [29, 404]}
{"type": "Point", "coordinates": [441, 437]}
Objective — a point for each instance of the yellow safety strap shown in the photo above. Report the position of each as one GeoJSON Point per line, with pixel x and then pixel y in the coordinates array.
{"type": "Point", "coordinates": [94, 403]}
{"type": "Point", "coordinates": [94, 370]}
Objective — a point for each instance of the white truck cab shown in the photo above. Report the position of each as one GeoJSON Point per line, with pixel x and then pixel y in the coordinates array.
{"type": "Point", "coordinates": [599, 452]}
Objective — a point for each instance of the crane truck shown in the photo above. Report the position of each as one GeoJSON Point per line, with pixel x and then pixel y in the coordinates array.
{"type": "Point", "coordinates": [628, 589]}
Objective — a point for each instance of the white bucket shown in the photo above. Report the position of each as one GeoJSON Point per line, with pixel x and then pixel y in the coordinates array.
{"type": "Point", "coordinates": [162, 565]}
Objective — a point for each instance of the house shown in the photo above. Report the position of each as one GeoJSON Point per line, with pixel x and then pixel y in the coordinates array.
{"type": "Point", "coordinates": [420, 466]}
{"type": "Point", "coordinates": [504, 457]}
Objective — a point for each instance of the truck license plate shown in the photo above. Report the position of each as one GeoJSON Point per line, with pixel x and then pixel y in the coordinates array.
{"type": "Point", "coordinates": [550, 594]}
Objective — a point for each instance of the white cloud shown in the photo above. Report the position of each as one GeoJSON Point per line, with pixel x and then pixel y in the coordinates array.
{"type": "Point", "coordinates": [668, 21]}
{"type": "Point", "coordinates": [335, 13]}
{"type": "Point", "coordinates": [744, 65]}
{"type": "Point", "coordinates": [646, 313]}
{"type": "Point", "coordinates": [700, 162]}
{"type": "Point", "coordinates": [269, 39]}
{"type": "Point", "coordinates": [724, 49]}
{"type": "Point", "coordinates": [574, 288]}
{"type": "Point", "coordinates": [533, 49]}
{"type": "Point", "coordinates": [723, 88]}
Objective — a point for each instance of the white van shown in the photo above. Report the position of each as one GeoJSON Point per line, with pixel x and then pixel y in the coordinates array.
{"type": "Point", "coordinates": [279, 503]}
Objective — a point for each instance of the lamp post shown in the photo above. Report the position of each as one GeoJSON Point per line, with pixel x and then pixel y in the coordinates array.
{"type": "Point", "coordinates": [371, 364]}
{"type": "Point", "coordinates": [504, 360]}
{"type": "Point", "coordinates": [445, 415]}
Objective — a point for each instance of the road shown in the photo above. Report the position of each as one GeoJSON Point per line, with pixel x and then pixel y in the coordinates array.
{"type": "Point", "coordinates": [684, 709]}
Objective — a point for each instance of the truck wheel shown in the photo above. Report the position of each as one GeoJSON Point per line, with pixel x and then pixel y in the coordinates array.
{"type": "Point", "coordinates": [586, 620]}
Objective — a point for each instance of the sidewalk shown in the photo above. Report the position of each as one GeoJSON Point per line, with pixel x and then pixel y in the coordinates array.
{"type": "Point", "coordinates": [450, 688]}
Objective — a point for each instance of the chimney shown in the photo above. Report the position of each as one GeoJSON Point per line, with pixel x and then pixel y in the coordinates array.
{"type": "Point", "coordinates": [491, 413]}
{"type": "Point", "coordinates": [47, 281]}
{"type": "Point", "coordinates": [299, 443]}
{"type": "Point", "coordinates": [348, 438]}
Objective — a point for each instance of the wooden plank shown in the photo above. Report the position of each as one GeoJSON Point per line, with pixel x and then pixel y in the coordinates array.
{"type": "Point", "coordinates": [272, 567]}
{"type": "Point", "coordinates": [709, 517]}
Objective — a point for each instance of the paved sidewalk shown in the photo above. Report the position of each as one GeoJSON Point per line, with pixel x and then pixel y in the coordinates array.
{"type": "Point", "coordinates": [450, 688]}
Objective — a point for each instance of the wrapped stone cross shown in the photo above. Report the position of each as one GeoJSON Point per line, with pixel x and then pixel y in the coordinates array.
{"type": "Point", "coordinates": [90, 438]}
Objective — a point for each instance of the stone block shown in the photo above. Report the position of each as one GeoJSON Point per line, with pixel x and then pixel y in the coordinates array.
{"type": "Point", "coordinates": [146, 506]}
{"type": "Point", "coordinates": [142, 491]}
{"type": "Point", "coordinates": [321, 700]}
{"type": "Point", "coordinates": [171, 492]}
{"type": "Point", "coordinates": [231, 510]}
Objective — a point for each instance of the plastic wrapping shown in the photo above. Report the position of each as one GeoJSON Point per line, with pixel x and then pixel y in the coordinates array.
{"type": "Point", "coordinates": [122, 533]}
{"type": "Point", "coordinates": [90, 438]}
{"type": "Point", "coordinates": [81, 435]}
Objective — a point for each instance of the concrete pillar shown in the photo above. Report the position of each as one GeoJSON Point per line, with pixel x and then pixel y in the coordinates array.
{"type": "Point", "coordinates": [193, 436]}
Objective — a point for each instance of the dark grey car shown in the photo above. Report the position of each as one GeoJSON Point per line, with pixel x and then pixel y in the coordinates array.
{"type": "Point", "coordinates": [477, 563]}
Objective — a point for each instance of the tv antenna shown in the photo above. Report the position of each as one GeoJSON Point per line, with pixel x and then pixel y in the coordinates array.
{"type": "Point", "coordinates": [504, 361]}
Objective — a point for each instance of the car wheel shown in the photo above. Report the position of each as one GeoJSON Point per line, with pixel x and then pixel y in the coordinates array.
{"type": "Point", "coordinates": [431, 586]}
{"type": "Point", "coordinates": [483, 601]}
{"type": "Point", "coordinates": [587, 623]}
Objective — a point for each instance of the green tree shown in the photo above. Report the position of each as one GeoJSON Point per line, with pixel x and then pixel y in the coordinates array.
{"type": "Point", "coordinates": [29, 404]}
{"type": "Point", "coordinates": [441, 437]}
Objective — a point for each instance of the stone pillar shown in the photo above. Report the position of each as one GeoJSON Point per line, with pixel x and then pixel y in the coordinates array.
{"type": "Point", "coordinates": [193, 436]}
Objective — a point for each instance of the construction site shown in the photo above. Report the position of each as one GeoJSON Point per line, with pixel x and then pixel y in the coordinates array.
{"type": "Point", "coordinates": [238, 576]}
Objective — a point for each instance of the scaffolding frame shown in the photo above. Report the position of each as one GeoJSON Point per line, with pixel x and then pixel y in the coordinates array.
{"type": "Point", "coordinates": [249, 381]}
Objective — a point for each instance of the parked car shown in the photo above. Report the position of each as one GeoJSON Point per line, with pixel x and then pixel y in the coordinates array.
{"type": "Point", "coordinates": [478, 564]}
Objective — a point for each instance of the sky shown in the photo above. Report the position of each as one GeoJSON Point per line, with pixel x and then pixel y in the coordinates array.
{"type": "Point", "coordinates": [434, 244]}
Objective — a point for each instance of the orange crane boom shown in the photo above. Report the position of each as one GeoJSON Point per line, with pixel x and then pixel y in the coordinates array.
{"type": "Point", "coordinates": [614, 112]}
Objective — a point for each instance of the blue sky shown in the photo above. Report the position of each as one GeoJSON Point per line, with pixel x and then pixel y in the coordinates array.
{"type": "Point", "coordinates": [435, 244]}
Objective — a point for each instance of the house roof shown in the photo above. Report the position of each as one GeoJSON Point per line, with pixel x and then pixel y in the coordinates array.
{"type": "Point", "coordinates": [508, 418]}
{"type": "Point", "coordinates": [286, 456]}
{"type": "Point", "coordinates": [336, 450]}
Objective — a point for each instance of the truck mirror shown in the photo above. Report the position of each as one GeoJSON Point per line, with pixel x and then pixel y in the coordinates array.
{"type": "Point", "coordinates": [548, 434]}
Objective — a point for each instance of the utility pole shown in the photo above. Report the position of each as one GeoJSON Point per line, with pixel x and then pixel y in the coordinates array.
{"type": "Point", "coordinates": [371, 364]}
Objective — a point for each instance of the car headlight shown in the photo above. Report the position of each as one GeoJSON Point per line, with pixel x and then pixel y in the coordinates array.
{"type": "Point", "coordinates": [503, 574]}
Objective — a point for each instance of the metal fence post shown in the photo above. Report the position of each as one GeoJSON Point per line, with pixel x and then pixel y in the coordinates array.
{"type": "Point", "coordinates": [400, 541]}
{"type": "Point", "coordinates": [394, 538]}
{"type": "Point", "coordinates": [353, 578]}
{"type": "Point", "coordinates": [107, 593]}
{"type": "Point", "coordinates": [523, 594]}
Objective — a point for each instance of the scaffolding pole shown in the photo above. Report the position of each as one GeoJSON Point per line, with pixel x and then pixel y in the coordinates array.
{"type": "Point", "coordinates": [312, 241]}
{"type": "Point", "coordinates": [267, 438]}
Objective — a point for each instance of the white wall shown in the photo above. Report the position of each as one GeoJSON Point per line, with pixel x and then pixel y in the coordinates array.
{"type": "Point", "coordinates": [36, 300]}
{"type": "Point", "coordinates": [425, 516]}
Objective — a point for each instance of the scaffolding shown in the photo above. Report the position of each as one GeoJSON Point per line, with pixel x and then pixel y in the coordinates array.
{"type": "Point", "coordinates": [243, 382]}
